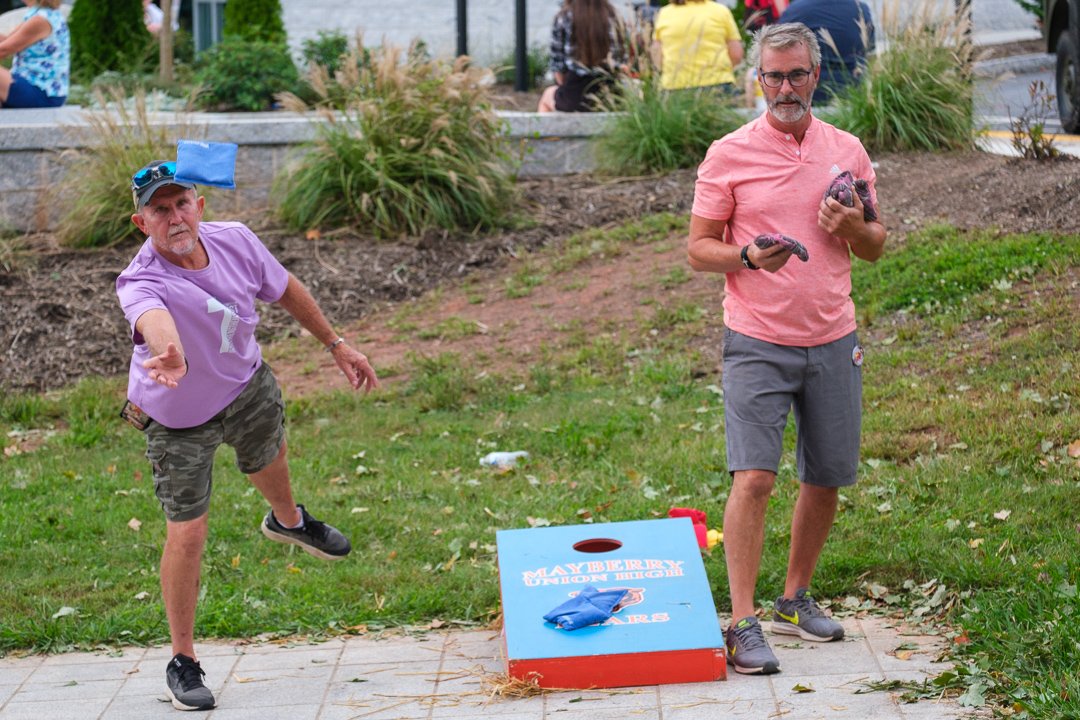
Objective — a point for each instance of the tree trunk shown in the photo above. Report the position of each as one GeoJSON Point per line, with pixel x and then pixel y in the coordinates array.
{"type": "Point", "coordinates": [166, 39]}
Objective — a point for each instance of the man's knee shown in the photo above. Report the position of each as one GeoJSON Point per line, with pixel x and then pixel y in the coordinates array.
{"type": "Point", "coordinates": [757, 484]}
{"type": "Point", "coordinates": [187, 536]}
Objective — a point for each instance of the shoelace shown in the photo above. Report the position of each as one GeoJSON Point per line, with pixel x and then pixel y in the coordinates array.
{"type": "Point", "coordinates": [191, 675]}
{"type": "Point", "coordinates": [749, 637]}
{"type": "Point", "coordinates": [807, 606]}
{"type": "Point", "coordinates": [315, 528]}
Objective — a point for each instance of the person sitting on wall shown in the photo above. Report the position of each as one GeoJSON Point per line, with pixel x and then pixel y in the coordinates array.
{"type": "Point", "coordinates": [41, 48]}
{"type": "Point", "coordinates": [586, 52]}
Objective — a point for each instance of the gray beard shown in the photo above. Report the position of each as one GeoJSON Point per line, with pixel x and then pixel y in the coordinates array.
{"type": "Point", "coordinates": [786, 114]}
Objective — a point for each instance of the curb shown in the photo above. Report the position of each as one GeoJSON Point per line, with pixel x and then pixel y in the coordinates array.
{"type": "Point", "coordinates": [1034, 62]}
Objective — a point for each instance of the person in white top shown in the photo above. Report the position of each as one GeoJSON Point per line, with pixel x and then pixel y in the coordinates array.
{"type": "Point", "coordinates": [153, 16]}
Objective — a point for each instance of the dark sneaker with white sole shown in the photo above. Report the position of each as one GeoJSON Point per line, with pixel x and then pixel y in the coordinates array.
{"type": "Point", "coordinates": [316, 537]}
{"type": "Point", "coordinates": [184, 685]}
{"type": "Point", "coordinates": [747, 650]}
{"type": "Point", "coordinates": [804, 618]}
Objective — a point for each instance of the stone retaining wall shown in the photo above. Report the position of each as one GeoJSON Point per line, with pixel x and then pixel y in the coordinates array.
{"type": "Point", "coordinates": [36, 147]}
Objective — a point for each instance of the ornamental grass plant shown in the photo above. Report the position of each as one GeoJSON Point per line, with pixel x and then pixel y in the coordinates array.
{"type": "Point", "coordinates": [95, 190]}
{"type": "Point", "coordinates": [658, 130]}
{"type": "Point", "coordinates": [917, 91]}
{"type": "Point", "coordinates": [405, 144]}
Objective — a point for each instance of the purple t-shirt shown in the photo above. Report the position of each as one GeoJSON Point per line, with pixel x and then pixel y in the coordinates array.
{"type": "Point", "coordinates": [214, 312]}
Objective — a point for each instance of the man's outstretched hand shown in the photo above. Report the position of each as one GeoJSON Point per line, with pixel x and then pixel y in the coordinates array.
{"type": "Point", "coordinates": [167, 368]}
{"type": "Point", "coordinates": [356, 368]}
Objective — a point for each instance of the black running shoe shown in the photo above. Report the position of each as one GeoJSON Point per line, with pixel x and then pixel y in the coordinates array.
{"type": "Point", "coordinates": [184, 685]}
{"type": "Point", "coordinates": [317, 538]}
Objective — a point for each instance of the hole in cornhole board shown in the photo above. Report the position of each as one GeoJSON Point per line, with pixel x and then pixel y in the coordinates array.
{"type": "Point", "coordinates": [597, 545]}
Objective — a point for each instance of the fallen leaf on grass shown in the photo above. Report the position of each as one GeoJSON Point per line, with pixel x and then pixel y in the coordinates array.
{"type": "Point", "coordinates": [1002, 514]}
{"type": "Point", "coordinates": [135, 524]}
{"type": "Point", "coordinates": [63, 612]}
{"type": "Point", "coordinates": [1074, 448]}
{"type": "Point", "coordinates": [975, 543]}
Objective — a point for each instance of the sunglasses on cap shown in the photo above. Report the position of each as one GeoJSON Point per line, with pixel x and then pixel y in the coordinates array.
{"type": "Point", "coordinates": [148, 175]}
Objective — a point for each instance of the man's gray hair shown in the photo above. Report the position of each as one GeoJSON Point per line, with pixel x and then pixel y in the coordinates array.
{"type": "Point", "coordinates": [783, 36]}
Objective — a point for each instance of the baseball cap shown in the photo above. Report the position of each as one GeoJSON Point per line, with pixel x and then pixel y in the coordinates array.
{"type": "Point", "coordinates": [146, 181]}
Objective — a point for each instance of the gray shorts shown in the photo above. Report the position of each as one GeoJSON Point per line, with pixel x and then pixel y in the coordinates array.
{"type": "Point", "coordinates": [763, 381]}
{"type": "Point", "coordinates": [253, 425]}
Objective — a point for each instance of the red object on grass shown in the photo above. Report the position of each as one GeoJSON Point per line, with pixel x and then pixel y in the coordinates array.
{"type": "Point", "coordinates": [701, 531]}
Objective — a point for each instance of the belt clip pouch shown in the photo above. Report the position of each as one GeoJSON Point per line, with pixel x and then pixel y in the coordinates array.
{"type": "Point", "coordinates": [134, 415]}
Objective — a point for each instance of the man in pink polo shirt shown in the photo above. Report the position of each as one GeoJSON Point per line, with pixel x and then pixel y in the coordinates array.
{"type": "Point", "coordinates": [789, 337]}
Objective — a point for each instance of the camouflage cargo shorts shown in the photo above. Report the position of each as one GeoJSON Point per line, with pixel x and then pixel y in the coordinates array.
{"type": "Point", "coordinates": [253, 425]}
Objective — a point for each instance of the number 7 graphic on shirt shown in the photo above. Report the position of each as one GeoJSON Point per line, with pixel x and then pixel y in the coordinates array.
{"type": "Point", "coordinates": [229, 321]}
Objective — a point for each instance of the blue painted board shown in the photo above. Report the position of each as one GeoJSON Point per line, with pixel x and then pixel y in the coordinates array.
{"type": "Point", "coordinates": [669, 607]}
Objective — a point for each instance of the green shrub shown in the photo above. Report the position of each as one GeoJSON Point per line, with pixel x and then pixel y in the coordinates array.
{"type": "Point", "coordinates": [327, 49]}
{"type": "Point", "coordinates": [241, 74]}
{"type": "Point", "coordinates": [95, 189]}
{"type": "Point", "coordinates": [917, 93]}
{"type": "Point", "coordinates": [255, 20]}
{"type": "Point", "coordinates": [109, 35]}
{"type": "Point", "coordinates": [660, 130]}
{"type": "Point", "coordinates": [415, 146]}
{"type": "Point", "coordinates": [536, 65]}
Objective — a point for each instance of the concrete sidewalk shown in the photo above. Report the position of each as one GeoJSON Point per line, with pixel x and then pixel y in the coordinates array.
{"type": "Point", "coordinates": [440, 676]}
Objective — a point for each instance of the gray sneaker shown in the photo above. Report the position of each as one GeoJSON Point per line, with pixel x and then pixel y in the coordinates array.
{"type": "Point", "coordinates": [316, 537]}
{"type": "Point", "coordinates": [184, 685]}
{"type": "Point", "coordinates": [804, 618]}
{"type": "Point", "coordinates": [747, 650]}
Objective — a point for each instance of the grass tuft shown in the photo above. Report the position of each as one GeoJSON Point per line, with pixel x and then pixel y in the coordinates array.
{"type": "Point", "coordinates": [408, 144]}
{"type": "Point", "coordinates": [917, 91]}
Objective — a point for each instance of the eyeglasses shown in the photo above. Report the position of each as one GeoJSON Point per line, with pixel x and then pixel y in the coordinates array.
{"type": "Point", "coordinates": [797, 78]}
{"type": "Point", "coordinates": [148, 175]}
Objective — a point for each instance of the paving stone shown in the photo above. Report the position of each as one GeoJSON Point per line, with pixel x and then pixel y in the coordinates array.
{"type": "Point", "coordinates": [628, 698]}
{"type": "Point", "coordinates": [292, 658]}
{"type": "Point", "coordinates": [482, 706]}
{"type": "Point", "coordinates": [306, 711]}
{"type": "Point", "coordinates": [443, 677]}
{"type": "Point", "coordinates": [142, 707]}
{"type": "Point", "coordinates": [361, 650]}
{"type": "Point", "coordinates": [14, 675]}
{"type": "Point", "coordinates": [736, 688]}
{"type": "Point", "coordinates": [83, 672]}
{"type": "Point", "coordinates": [128, 656]}
{"type": "Point", "coordinates": [67, 693]}
{"type": "Point", "coordinates": [53, 710]}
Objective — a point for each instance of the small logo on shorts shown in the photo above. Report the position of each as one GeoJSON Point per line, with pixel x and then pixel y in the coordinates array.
{"type": "Point", "coordinates": [857, 356]}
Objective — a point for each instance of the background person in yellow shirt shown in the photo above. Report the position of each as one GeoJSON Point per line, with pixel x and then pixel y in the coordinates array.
{"type": "Point", "coordinates": [696, 44]}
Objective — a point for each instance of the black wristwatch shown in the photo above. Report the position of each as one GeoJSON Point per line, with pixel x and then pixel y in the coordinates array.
{"type": "Point", "coordinates": [746, 258]}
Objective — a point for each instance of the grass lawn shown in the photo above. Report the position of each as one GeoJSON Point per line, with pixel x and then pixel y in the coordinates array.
{"type": "Point", "coordinates": [965, 513]}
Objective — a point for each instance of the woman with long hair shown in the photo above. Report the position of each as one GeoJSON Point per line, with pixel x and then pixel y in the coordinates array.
{"type": "Point", "coordinates": [586, 53]}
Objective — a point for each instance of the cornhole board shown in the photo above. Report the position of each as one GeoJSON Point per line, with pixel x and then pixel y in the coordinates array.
{"type": "Point", "coordinates": [665, 631]}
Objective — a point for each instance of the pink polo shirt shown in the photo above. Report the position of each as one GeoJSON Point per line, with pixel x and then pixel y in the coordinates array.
{"type": "Point", "coordinates": [760, 180]}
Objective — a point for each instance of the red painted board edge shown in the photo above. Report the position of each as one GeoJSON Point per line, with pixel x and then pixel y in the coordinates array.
{"type": "Point", "coordinates": [624, 670]}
